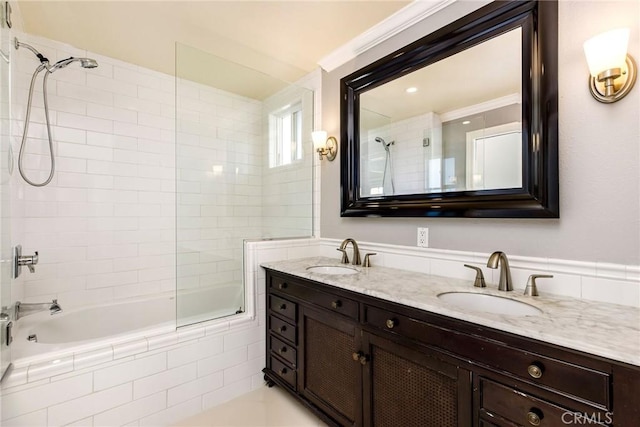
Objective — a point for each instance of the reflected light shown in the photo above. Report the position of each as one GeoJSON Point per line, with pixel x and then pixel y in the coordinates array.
{"type": "Point", "coordinates": [412, 89]}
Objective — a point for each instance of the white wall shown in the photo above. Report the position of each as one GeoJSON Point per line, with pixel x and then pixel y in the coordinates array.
{"type": "Point", "coordinates": [599, 157]}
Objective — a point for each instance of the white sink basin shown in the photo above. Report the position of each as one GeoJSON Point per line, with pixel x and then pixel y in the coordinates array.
{"type": "Point", "coordinates": [489, 304]}
{"type": "Point", "coordinates": [331, 269]}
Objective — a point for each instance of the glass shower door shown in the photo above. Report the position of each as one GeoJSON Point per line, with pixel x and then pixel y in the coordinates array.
{"type": "Point", "coordinates": [244, 162]}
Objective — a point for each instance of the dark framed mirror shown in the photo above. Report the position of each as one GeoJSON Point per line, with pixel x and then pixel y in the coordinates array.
{"type": "Point", "coordinates": [460, 123]}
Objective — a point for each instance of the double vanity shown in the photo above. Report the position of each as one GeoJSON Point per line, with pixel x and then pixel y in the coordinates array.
{"type": "Point", "coordinates": [364, 346]}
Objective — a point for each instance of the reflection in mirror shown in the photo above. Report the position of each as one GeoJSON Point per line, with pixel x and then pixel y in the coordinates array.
{"type": "Point", "coordinates": [454, 125]}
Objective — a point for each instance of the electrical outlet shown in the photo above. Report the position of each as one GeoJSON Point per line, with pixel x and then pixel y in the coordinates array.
{"type": "Point", "coordinates": [423, 237]}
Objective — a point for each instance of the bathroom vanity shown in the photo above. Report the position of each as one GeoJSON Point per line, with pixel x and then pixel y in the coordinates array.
{"type": "Point", "coordinates": [360, 352]}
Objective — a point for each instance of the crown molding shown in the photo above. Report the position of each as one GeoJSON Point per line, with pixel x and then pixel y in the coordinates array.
{"type": "Point", "coordinates": [392, 25]}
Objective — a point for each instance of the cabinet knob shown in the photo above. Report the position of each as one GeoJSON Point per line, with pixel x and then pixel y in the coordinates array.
{"type": "Point", "coordinates": [283, 371]}
{"type": "Point", "coordinates": [364, 359]}
{"type": "Point", "coordinates": [357, 355]}
{"type": "Point", "coordinates": [283, 306]}
{"type": "Point", "coordinates": [336, 304]}
{"type": "Point", "coordinates": [282, 285]}
{"type": "Point", "coordinates": [391, 323]}
{"type": "Point", "coordinates": [534, 371]}
{"type": "Point", "coordinates": [534, 416]}
{"type": "Point", "coordinates": [282, 350]}
{"type": "Point", "coordinates": [283, 328]}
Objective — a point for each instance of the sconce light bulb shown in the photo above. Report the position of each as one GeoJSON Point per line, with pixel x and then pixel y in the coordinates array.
{"type": "Point", "coordinates": [607, 51]}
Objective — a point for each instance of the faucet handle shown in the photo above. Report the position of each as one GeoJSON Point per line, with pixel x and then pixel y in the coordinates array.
{"type": "Point", "coordinates": [345, 257]}
{"type": "Point", "coordinates": [532, 289]}
{"type": "Point", "coordinates": [367, 261]}
{"type": "Point", "coordinates": [479, 281]}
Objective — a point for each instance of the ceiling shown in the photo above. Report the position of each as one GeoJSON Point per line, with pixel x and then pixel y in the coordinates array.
{"type": "Point", "coordinates": [284, 39]}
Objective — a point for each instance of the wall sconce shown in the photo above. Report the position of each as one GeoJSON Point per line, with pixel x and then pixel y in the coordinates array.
{"type": "Point", "coordinates": [325, 146]}
{"type": "Point", "coordinates": [613, 72]}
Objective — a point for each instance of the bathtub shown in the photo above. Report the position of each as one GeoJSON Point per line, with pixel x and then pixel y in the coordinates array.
{"type": "Point", "coordinates": [80, 330]}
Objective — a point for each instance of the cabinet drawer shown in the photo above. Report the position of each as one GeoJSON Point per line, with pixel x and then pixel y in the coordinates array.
{"type": "Point", "coordinates": [308, 294]}
{"type": "Point", "coordinates": [283, 350]}
{"type": "Point", "coordinates": [527, 410]}
{"type": "Point", "coordinates": [285, 372]}
{"type": "Point", "coordinates": [579, 381]}
{"type": "Point", "coordinates": [283, 307]}
{"type": "Point", "coordinates": [282, 328]}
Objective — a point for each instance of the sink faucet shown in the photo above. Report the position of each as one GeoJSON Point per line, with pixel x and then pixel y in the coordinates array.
{"type": "Point", "coordinates": [505, 283]}
{"type": "Point", "coordinates": [356, 252]}
{"type": "Point", "coordinates": [24, 309]}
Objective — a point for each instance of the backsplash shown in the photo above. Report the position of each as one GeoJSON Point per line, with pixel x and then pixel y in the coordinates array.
{"type": "Point", "coordinates": [604, 282]}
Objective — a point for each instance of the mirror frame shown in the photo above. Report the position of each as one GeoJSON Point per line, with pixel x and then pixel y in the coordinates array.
{"type": "Point", "coordinates": [539, 195]}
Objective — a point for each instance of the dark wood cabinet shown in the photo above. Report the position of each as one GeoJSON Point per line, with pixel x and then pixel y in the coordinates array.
{"type": "Point", "coordinates": [356, 360]}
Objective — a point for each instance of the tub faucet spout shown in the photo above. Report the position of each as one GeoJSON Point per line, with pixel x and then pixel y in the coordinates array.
{"type": "Point", "coordinates": [25, 308]}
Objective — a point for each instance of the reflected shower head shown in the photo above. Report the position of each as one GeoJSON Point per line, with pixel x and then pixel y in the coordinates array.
{"type": "Point", "coordinates": [84, 63]}
{"type": "Point", "coordinates": [384, 144]}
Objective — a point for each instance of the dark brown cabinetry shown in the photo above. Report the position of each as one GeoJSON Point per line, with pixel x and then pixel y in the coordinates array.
{"type": "Point", "coordinates": [361, 361]}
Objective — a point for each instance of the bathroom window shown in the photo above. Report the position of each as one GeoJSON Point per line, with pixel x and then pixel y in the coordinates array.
{"type": "Point", "coordinates": [285, 135]}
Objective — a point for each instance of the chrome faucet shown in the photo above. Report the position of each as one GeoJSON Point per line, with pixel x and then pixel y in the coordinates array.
{"type": "Point", "coordinates": [356, 252]}
{"type": "Point", "coordinates": [505, 283]}
{"type": "Point", "coordinates": [26, 308]}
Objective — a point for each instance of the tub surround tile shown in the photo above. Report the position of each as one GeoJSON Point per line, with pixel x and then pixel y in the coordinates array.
{"type": "Point", "coordinates": [26, 401]}
{"type": "Point", "coordinates": [68, 412]}
{"type": "Point", "coordinates": [36, 418]}
{"type": "Point", "coordinates": [129, 371]}
{"type": "Point", "coordinates": [130, 348]}
{"type": "Point", "coordinates": [132, 411]}
{"type": "Point", "coordinates": [198, 387]}
{"type": "Point", "coordinates": [164, 380]}
{"type": "Point", "coordinates": [48, 369]}
{"type": "Point", "coordinates": [199, 350]}
{"type": "Point", "coordinates": [607, 330]}
{"type": "Point", "coordinates": [226, 393]}
{"type": "Point", "coordinates": [92, 358]}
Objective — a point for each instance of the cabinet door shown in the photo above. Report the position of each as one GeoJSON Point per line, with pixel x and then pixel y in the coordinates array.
{"type": "Point", "coordinates": [329, 376]}
{"type": "Point", "coordinates": [410, 387]}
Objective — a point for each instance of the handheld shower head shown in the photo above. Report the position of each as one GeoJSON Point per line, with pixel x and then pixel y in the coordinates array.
{"type": "Point", "coordinates": [384, 144]}
{"type": "Point", "coordinates": [84, 63]}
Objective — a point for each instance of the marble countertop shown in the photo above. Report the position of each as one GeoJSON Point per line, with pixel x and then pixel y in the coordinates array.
{"type": "Point", "coordinates": [607, 330]}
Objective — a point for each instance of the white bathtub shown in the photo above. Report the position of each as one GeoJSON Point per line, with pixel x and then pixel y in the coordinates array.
{"type": "Point", "coordinates": [79, 330]}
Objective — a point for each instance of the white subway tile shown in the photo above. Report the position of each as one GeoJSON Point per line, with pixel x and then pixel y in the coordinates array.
{"type": "Point", "coordinates": [130, 348]}
{"type": "Point", "coordinates": [243, 338]}
{"type": "Point", "coordinates": [226, 393]}
{"type": "Point", "coordinates": [611, 291]}
{"type": "Point", "coordinates": [132, 411]}
{"type": "Point", "coordinates": [222, 361]}
{"type": "Point", "coordinates": [195, 388]}
{"type": "Point", "coordinates": [199, 350]}
{"type": "Point", "coordinates": [164, 380]}
{"type": "Point", "coordinates": [92, 358]}
{"type": "Point", "coordinates": [173, 414]}
{"type": "Point", "coordinates": [36, 418]}
{"type": "Point", "coordinates": [129, 371]}
{"type": "Point", "coordinates": [94, 403]}
{"type": "Point", "coordinates": [84, 123]}
{"type": "Point", "coordinates": [24, 402]}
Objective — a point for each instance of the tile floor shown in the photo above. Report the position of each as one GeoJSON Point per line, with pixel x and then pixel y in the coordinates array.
{"type": "Point", "coordinates": [265, 407]}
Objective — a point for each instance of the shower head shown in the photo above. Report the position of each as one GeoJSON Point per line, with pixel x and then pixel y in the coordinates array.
{"type": "Point", "coordinates": [84, 63]}
{"type": "Point", "coordinates": [384, 144]}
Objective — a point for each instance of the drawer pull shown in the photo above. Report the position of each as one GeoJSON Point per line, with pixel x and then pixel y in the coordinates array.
{"type": "Point", "coordinates": [336, 304]}
{"type": "Point", "coordinates": [391, 323]}
{"type": "Point", "coordinates": [364, 359]}
{"type": "Point", "coordinates": [282, 285]}
{"type": "Point", "coordinates": [283, 329]}
{"type": "Point", "coordinates": [534, 416]}
{"type": "Point", "coordinates": [283, 371]}
{"type": "Point", "coordinates": [282, 350]}
{"type": "Point", "coordinates": [283, 306]}
{"type": "Point", "coordinates": [535, 371]}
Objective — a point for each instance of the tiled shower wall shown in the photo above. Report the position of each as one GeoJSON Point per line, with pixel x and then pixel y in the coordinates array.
{"type": "Point", "coordinates": [105, 227]}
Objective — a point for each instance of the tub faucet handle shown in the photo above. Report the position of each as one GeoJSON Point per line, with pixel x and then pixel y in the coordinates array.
{"type": "Point", "coordinates": [479, 280]}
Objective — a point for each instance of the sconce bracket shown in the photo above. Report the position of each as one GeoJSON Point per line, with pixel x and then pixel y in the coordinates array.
{"type": "Point", "coordinates": [621, 89]}
{"type": "Point", "coordinates": [330, 149]}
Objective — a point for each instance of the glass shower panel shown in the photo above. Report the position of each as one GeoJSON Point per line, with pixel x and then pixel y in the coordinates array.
{"type": "Point", "coordinates": [244, 171]}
